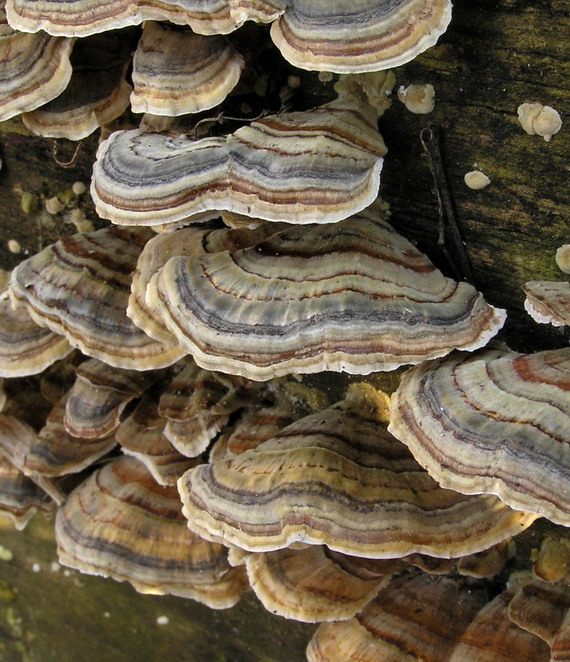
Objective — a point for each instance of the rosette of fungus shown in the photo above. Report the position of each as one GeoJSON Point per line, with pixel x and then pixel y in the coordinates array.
{"type": "Point", "coordinates": [492, 423]}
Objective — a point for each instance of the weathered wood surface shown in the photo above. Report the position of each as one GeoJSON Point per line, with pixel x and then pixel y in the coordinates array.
{"type": "Point", "coordinates": [496, 55]}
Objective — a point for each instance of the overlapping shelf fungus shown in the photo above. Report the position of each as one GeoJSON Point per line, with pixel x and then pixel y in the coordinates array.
{"type": "Point", "coordinates": [176, 433]}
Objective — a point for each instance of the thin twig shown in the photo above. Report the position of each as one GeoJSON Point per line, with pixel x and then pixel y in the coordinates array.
{"type": "Point", "coordinates": [430, 142]}
{"type": "Point", "coordinates": [66, 164]}
{"type": "Point", "coordinates": [223, 118]}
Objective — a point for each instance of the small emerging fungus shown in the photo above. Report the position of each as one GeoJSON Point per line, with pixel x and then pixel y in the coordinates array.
{"type": "Point", "coordinates": [563, 258]}
{"type": "Point", "coordinates": [540, 120]}
{"type": "Point", "coordinates": [492, 423]}
{"type": "Point", "coordinates": [176, 71]}
{"type": "Point", "coordinates": [20, 497]}
{"type": "Point", "coordinates": [548, 302]}
{"type": "Point", "coordinates": [476, 180]}
{"type": "Point", "coordinates": [418, 99]}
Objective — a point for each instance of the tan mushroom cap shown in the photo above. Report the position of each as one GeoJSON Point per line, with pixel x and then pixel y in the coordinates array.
{"type": "Point", "coordinates": [553, 559]}
{"type": "Point", "coordinates": [17, 439]}
{"type": "Point", "coordinates": [79, 288]}
{"type": "Point", "coordinates": [25, 347]}
{"type": "Point", "coordinates": [197, 404]}
{"type": "Point", "coordinates": [344, 36]}
{"type": "Point", "coordinates": [20, 497]}
{"type": "Point", "coordinates": [487, 563]}
{"type": "Point", "coordinates": [493, 637]}
{"type": "Point", "coordinates": [120, 523]}
{"type": "Point", "coordinates": [338, 478]}
{"type": "Point", "coordinates": [494, 423]}
{"type": "Point", "coordinates": [98, 397]}
{"type": "Point", "coordinates": [35, 69]}
{"type": "Point", "coordinates": [315, 584]}
{"type": "Point", "coordinates": [544, 610]}
{"type": "Point", "coordinates": [414, 617]}
{"type": "Point", "coordinates": [354, 297]}
{"type": "Point", "coordinates": [57, 453]}
{"type": "Point", "coordinates": [176, 71]}
{"type": "Point", "coordinates": [187, 242]}
{"type": "Point", "coordinates": [142, 435]}
{"type": "Point", "coordinates": [314, 166]}
{"type": "Point", "coordinates": [548, 302]}
{"type": "Point", "coordinates": [97, 92]}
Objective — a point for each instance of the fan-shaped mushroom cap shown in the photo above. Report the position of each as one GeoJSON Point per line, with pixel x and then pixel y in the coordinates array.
{"type": "Point", "coordinates": [544, 610]}
{"type": "Point", "coordinates": [17, 440]}
{"type": "Point", "coordinates": [314, 584]}
{"type": "Point", "coordinates": [35, 68]}
{"type": "Point", "coordinates": [120, 523]}
{"type": "Point", "coordinates": [495, 423]}
{"type": "Point", "coordinates": [553, 560]}
{"type": "Point", "coordinates": [142, 436]}
{"type": "Point", "coordinates": [98, 397]}
{"type": "Point", "coordinates": [197, 404]}
{"type": "Point", "coordinates": [493, 637]}
{"type": "Point", "coordinates": [96, 94]}
{"type": "Point", "coordinates": [20, 497]}
{"type": "Point", "coordinates": [176, 71]}
{"type": "Point", "coordinates": [563, 258]}
{"type": "Point", "coordinates": [344, 36]}
{"type": "Point", "coordinates": [314, 166]}
{"type": "Point", "coordinates": [414, 617]}
{"type": "Point", "coordinates": [548, 302]}
{"type": "Point", "coordinates": [86, 17]}
{"type": "Point", "coordinates": [79, 288]}
{"type": "Point", "coordinates": [187, 241]}
{"type": "Point", "coordinates": [354, 297]}
{"type": "Point", "coordinates": [338, 478]}
{"type": "Point", "coordinates": [25, 347]}
{"type": "Point", "coordinates": [56, 452]}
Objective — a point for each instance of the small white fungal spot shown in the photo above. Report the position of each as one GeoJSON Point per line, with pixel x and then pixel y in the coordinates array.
{"type": "Point", "coordinates": [5, 554]}
{"type": "Point", "coordinates": [325, 76]}
{"type": "Point", "coordinates": [55, 567]}
{"type": "Point", "coordinates": [419, 99]}
{"type": "Point", "coordinates": [540, 120]}
{"type": "Point", "coordinates": [162, 620]}
{"type": "Point", "coordinates": [78, 188]}
{"type": "Point", "coordinates": [563, 258]}
{"type": "Point", "coordinates": [53, 205]}
{"type": "Point", "coordinates": [476, 179]}
{"type": "Point", "coordinates": [36, 567]}
{"type": "Point", "coordinates": [14, 246]}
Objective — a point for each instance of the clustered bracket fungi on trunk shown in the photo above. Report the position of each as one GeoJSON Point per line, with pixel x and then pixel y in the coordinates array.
{"type": "Point", "coordinates": [220, 472]}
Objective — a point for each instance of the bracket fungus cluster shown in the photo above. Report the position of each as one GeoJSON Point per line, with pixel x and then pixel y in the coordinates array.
{"type": "Point", "coordinates": [202, 466]}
